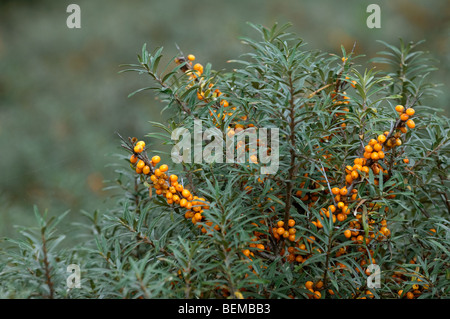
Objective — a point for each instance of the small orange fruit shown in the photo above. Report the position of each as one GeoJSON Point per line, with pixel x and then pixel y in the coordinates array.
{"type": "Point", "coordinates": [309, 285]}
{"type": "Point", "coordinates": [411, 124]}
{"type": "Point", "coordinates": [140, 164]}
{"type": "Point", "coordinates": [133, 159]}
{"type": "Point", "coordinates": [291, 223]}
{"type": "Point", "coordinates": [399, 108]}
{"type": "Point", "coordinates": [381, 138]}
{"type": "Point", "coordinates": [156, 159]}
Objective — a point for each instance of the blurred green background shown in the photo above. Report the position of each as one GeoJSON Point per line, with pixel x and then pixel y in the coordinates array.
{"type": "Point", "coordinates": [62, 99]}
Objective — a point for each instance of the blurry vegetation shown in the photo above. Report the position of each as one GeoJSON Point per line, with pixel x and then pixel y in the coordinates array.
{"type": "Point", "coordinates": [61, 99]}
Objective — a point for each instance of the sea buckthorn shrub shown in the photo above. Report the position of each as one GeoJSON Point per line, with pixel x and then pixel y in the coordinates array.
{"type": "Point", "coordinates": [362, 184]}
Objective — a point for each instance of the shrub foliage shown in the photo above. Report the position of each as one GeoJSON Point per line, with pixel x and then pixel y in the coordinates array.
{"type": "Point", "coordinates": [362, 182]}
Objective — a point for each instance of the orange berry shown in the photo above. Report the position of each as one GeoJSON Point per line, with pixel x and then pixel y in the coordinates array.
{"type": "Point", "coordinates": [346, 210]}
{"type": "Point", "coordinates": [381, 138]}
{"type": "Point", "coordinates": [280, 224]}
{"type": "Point", "coordinates": [173, 178]}
{"type": "Point", "coordinates": [404, 117]}
{"type": "Point", "coordinates": [355, 175]}
{"type": "Point", "coordinates": [381, 155]}
{"type": "Point", "coordinates": [291, 223]}
{"type": "Point", "coordinates": [191, 57]}
{"type": "Point", "coordinates": [309, 285]}
{"type": "Point", "coordinates": [340, 217]}
{"type": "Point", "coordinates": [158, 172]}
{"type": "Point", "coordinates": [198, 67]}
{"type": "Point", "coordinates": [164, 168]}
{"type": "Point", "coordinates": [156, 159]}
{"type": "Point", "coordinates": [406, 160]}
{"type": "Point", "coordinates": [280, 231]}
{"type": "Point", "coordinates": [185, 193]}
{"type": "Point", "coordinates": [411, 124]}
{"type": "Point", "coordinates": [410, 111]}
{"type": "Point", "coordinates": [146, 170]}
{"type": "Point", "coordinates": [183, 202]}
{"type": "Point", "coordinates": [343, 191]}
{"type": "Point", "coordinates": [133, 159]}
{"type": "Point", "coordinates": [410, 295]}
{"type": "Point", "coordinates": [138, 148]}
{"type": "Point", "coordinates": [347, 233]}
{"type": "Point", "coordinates": [348, 178]}
{"type": "Point", "coordinates": [368, 149]}
{"type": "Point", "coordinates": [140, 164]}
{"type": "Point", "coordinates": [374, 156]}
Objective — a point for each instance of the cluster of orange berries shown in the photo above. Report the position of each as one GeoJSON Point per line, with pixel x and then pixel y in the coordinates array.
{"type": "Point", "coordinates": [405, 115]}
{"type": "Point", "coordinates": [374, 149]}
{"type": "Point", "coordinates": [259, 237]}
{"type": "Point", "coordinates": [341, 210]}
{"type": "Point", "coordinates": [416, 289]}
{"type": "Point", "coordinates": [300, 252]}
{"type": "Point", "coordinates": [315, 294]}
{"type": "Point", "coordinates": [169, 187]}
{"type": "Point", "coordinates": [285, 232]}
{"type": "Point", "coordinates": [207, 93]}
{"type": "Point", "coordinates": [195, 70]}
